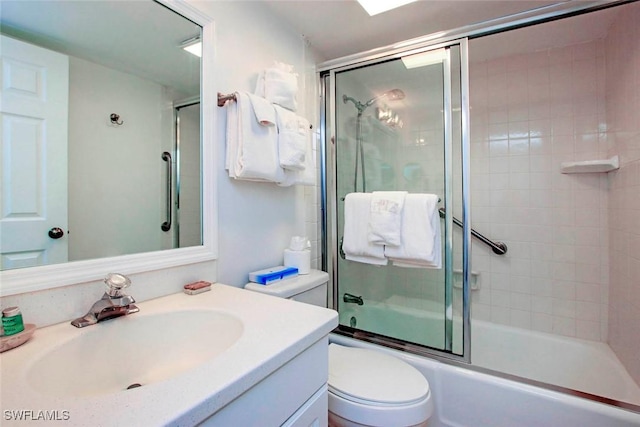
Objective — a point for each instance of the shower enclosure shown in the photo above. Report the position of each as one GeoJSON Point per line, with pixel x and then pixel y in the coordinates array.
{"type": "Point", "coordinates": [399, 126]}
{"type": "Point", "coordinates": [187, 206]}
{"type": "Point", "coordinates": [531, 123]}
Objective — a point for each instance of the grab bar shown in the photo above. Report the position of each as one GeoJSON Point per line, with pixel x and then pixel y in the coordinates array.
{"type": "Point", "coordinates": [166, 156]}
{"type": "Point", "coordinates": [499, 248]}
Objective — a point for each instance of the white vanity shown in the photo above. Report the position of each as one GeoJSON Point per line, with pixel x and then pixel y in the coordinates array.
{"type": "Point", "coordinates": [220, 358]}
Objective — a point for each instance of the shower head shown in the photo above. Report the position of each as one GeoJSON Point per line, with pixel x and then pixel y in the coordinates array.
{"type": "Point", "coordinates": [392, 95]}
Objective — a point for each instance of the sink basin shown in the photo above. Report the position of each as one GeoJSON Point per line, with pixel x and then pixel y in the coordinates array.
{"type": "Point", "coordinates": [195, 357]}
{"type": "Point", "coordinates": [133, 351]}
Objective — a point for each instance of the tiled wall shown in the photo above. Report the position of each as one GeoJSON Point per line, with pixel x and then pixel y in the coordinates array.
{"type": "Point", "coordinates": [529, 113]}
{"type": "Point", "coordinates": [623, 128]}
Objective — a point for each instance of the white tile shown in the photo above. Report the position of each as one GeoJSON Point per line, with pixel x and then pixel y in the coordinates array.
{"type": "Point", "coordinates": [587, 330]}
{"type": "Point", "coordinates": [588, 311]}
{"type": "Point", "coordinates": [520, 318]}
{"type": "Point", "coordinates": [564, 326]}
{"type": "Point", "coordinates": [542, 322]}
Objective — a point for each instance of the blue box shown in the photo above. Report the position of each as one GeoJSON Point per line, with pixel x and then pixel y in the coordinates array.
{"type": "Point", "coordinates": [273, 274]}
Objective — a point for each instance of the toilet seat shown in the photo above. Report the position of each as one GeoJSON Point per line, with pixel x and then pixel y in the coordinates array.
{"type": "Point", "coordinates": [373, 388]}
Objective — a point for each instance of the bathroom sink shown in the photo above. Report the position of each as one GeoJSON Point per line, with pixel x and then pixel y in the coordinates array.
{"type": "Point", "coordinates": [133, 351]}
{"type": "Point", "coordinates": [194, 357]}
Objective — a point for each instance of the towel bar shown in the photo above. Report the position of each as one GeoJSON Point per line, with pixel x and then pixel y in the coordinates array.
{"type": "Point", "coordinates": [222, 99]}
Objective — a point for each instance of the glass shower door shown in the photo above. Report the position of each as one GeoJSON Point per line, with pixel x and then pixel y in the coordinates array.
{"type": "Point", "coordinates": [397, 125]}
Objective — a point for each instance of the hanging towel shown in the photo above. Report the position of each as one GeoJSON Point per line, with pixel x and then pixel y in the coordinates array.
{"type": "Point", "coordinates": [356, 246]}
{"type": "Point", "coordinates": [252, 150]}
{"type": "Point", "coordinates": [307, 176]}
{"type": "Point", "coordinates": [421, 240]}
{"type": "Point", "coordinates": [279, 85]}
{"type": "Point", "coordinates": [386, 217]}
{"type": "Point", "coordinates": [263, 109]}
{"type": "Point", "coordinates": [293, 136]}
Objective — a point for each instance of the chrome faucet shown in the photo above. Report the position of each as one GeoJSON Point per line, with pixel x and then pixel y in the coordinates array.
{"type": "Point", "coordinates": [114, 302]}
{"type": "Point", "coordinates": [352, 299]}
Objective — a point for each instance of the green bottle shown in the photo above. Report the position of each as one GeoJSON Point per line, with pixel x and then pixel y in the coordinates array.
{"type": "Point", "coordinates": [12, 321]}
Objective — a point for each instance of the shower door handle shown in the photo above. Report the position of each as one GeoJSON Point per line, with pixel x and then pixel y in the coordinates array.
{"type": "Point", "coordinates": [166, 156]}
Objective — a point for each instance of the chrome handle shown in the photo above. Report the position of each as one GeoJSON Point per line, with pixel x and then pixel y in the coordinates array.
{"type": "Point", "coordinates": [56, 233]}
{"type": "Point", "coordinates": [166, 156]}
{"type": "Point", "coordinates": [352, 299]}
{"type": "Point", "coordinates": [116, 283]}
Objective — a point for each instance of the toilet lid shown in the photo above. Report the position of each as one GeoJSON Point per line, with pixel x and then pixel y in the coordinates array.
{"type": "Point", "coordinates": [373, 377]}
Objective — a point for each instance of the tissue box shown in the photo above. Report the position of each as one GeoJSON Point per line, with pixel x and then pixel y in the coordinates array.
{"type": "Point", "coordinates": [273, 274]}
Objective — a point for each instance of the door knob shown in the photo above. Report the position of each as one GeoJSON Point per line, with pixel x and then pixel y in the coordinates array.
{"type": "Point", "coordinates": [56, 233]}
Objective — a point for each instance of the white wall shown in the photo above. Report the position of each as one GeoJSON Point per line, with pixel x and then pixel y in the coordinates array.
{"type": "Point", "coordinates": [257, 220]}
{"type": "Point", "coordinates": [109, 216]}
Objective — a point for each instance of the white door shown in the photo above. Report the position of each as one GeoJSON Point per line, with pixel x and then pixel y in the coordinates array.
{"type": "Point", "coordinates": [34, 96]}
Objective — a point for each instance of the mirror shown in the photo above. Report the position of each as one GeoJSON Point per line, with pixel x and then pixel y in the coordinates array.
{"type": "Point", "coordinates": [107, 46]}
{"type": "Point", "coordinates": [101, 131]}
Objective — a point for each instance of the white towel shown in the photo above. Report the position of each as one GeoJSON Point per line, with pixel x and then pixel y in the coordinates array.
{"type": "Point", "coordinates": [279, 85]}
{"type": "Point", "coordinates": [357, 208]}
{"type": "Point", "coordinates": [421, 240]}
{"type": "Point", "coordinates": [293, 136]}
{"type": "Point", "coordinates": [308, 175]}
{"type": "Point", "coordinates": [263, 109]}
{"type": "Point", "coordinates": [386, 217]}
{"type": "Point", "coordinates": [252, 150]}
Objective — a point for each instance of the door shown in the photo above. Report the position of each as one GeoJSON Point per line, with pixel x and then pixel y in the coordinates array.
{"type": "Point", "coordinates": [33, 154]}
{"type": "Point", "coordinates": [398, 127]}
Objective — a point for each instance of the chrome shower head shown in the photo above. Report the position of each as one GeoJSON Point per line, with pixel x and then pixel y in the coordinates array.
{"type": "Point", "coordinates": [392, 95]}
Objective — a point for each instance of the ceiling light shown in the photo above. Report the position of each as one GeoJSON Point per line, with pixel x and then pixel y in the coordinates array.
{"type": "Point", "coordinates": [373, 7]}
{"type": "Point", "coordinates": [193, 46]}
{"type": "Point", "coordinates": [423, 59]}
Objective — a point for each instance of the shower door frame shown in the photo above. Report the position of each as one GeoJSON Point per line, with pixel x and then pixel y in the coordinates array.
{"type": "Point", "coordinates": [177, 169]}
{"type": "Point", "coordinates": [329, 176]}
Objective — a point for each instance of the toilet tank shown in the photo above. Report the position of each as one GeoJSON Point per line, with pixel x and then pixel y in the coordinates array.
{"type": "Point", "coordinates": [308, 288]}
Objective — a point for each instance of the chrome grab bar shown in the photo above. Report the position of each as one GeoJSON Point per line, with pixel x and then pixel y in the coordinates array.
{"type": "Point", "coordinates": [166, 156]}
{"type": "Point", "coordinates": [499, 248]}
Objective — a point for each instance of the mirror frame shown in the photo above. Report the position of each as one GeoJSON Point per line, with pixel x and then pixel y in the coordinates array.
{"type": "Point", "coordinates": [32, 279]}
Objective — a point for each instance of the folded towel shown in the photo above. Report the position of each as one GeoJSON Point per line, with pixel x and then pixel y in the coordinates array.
{"type": "Point", "coordinates": [357, 209]}
{"type": "Point", "coordinates": [308, 175]}
{"type": "Point", "coordinates": [386, 217]}
{"type": "Point", "coordinates": [279, 85]}
{"type": "Point", "coordinates": [252, 151]}
{"type": "Point", "coordinates": [421, 240]}
{"type": "Point", "coordinates": [293, 137]}
{"type": "Point", "coordinates": [264, 111]}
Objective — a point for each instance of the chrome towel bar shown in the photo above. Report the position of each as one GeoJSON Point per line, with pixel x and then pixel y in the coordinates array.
{"type": "Point", "coordinates": [222, 100]}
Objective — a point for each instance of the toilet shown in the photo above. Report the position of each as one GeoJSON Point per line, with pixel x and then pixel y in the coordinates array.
{"type": "Point", "coordinates": [366, 387]}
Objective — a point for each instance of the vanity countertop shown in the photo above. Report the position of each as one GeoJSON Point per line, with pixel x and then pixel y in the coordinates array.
{"type": "Point", "coordinates": [274, 332]}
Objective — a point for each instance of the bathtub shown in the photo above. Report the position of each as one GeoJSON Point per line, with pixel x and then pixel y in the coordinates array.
{"type": "Point", "coordinates": [580, 365]}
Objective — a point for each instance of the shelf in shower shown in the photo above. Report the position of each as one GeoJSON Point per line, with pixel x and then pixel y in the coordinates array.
{"type": "Point", "coordinates": [591, 166]}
